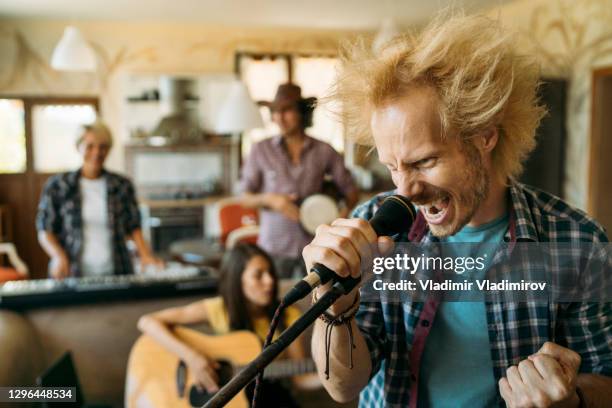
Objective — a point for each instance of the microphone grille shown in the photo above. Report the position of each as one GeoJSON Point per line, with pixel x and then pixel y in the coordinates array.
{"type": "Point", "coordinates": [395, 215]}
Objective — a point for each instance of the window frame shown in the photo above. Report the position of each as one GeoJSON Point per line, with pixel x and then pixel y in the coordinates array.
{"type": "Point", "coordinates": [29, 102]}
{"type": "Point", "coordinates": [21, 191]}
{"type": "Point", "coordinates": [290, 58]}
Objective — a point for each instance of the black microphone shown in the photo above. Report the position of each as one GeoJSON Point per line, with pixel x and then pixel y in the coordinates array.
{"type": "Point", "coordinates": [395, 215]}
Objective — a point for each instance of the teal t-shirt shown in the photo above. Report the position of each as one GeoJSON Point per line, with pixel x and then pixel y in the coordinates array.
{"type": "Point", "coordinates": [456, 367]}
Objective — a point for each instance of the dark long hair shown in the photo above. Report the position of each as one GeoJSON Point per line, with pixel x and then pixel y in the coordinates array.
{"type": "Point", "coordinates": [230, 285]}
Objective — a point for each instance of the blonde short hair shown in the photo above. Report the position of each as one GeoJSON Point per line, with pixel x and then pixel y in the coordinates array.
{"type": "Point", "coordinates": [99, 129]}
{"type": "Point", "coordinates": [478, 76]}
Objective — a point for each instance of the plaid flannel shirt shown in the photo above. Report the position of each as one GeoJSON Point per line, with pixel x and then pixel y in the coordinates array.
{"type": "Point", "coordinates": [396, 332]}
{"type": "Point", "coordinates": [59, 212]}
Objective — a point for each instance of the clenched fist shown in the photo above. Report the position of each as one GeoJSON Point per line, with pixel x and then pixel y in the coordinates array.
{"type": "Point", "coordinates": [545, 379]}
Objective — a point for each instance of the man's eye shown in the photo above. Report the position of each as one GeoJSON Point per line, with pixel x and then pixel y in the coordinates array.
{"type": "Point", "coordinates": [426, 163]}
{"type": "Point", "coordinates": [390, 167]}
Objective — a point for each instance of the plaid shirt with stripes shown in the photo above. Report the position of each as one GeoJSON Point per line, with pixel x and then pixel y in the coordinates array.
{"type": "Point", "coordinates": [396, 332]}
{"type": "Point", "coordinates": [59, 212]}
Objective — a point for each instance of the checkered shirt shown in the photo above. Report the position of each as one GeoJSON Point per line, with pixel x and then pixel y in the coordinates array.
{"type": "Point", "coordinates": [396, 332]}
{"type": "Point", "coordinates": [59, 212]}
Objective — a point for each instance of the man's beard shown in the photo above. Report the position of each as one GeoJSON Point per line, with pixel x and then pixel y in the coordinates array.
{"type": "Point", "coordinates": [475, 182]}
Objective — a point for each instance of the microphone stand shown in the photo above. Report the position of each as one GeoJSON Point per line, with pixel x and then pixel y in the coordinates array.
{"type": "Point", "coordinates": [233, 387]}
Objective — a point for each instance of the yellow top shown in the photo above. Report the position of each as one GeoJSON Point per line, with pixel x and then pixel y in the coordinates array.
{"type": "Point", "coordinates": [219, 319]}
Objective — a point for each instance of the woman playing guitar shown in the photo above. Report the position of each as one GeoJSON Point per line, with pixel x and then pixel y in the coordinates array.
{"type": "Point", "coordinates": [248, 298]}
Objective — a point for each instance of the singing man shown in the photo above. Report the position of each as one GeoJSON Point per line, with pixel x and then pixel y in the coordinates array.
{"type": "Point", "coordinates": [452, 113]}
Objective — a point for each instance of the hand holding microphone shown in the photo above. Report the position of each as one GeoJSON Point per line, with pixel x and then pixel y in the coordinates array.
{"type": "Point", "coordinates": [339, 250]}
{"type": "Point", "coordinates": [342, 247]}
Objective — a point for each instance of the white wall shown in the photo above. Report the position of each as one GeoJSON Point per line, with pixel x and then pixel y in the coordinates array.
{"type": "Point", "coordinates": [571, 39]}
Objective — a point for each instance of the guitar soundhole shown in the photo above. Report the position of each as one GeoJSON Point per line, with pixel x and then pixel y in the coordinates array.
{"type": "Point", "coordinates": [198, 397]}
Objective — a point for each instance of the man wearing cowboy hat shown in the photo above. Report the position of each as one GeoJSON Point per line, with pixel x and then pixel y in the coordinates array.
{"type": "Point", "coordinates": [283, 170]}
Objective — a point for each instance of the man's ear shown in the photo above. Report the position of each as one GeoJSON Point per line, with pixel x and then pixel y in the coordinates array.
{"type": "Point", "coordinates": [487, 139]}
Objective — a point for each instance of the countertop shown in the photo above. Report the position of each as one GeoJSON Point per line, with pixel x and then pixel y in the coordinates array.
{"type": "Point", "coordinates": [195, 202]}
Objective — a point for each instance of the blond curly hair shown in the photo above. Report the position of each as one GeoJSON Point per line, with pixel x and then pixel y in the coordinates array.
{"type": "Point", "coordinates": [472, 64]}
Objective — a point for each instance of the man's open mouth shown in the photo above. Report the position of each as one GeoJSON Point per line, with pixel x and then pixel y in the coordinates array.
{"type": "Point", "coordinates": [435, 213]}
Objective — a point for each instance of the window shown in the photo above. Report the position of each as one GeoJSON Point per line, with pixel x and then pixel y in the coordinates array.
{"type": "Point", "coordinates": [263, 73]}
{"type": "Point", "coordinates": [37, 136]}
{"type": "Point", "coordinates": [262, 76]}
{"type": "Point", "coordinates": [12, 136]}
{"type": "Point", "coordinates": [43, 130]}
{"type": "Point", "coordinates": [316, 77]}
{"type": "Point", "coordinates": [54, 131]}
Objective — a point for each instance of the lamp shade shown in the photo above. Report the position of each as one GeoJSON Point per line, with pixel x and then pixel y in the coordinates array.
{"type": "Point", "coordinates": [238, 112]}
{"type": "Point", "coordinates": [72, 53]}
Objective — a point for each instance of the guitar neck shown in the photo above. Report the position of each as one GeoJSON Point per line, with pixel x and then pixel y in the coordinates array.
{"type": "Point", "coordinates": [289, 368]}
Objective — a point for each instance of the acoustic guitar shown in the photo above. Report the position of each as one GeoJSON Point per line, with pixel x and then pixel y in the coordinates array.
{"type": "Point", "coordinates": [157, 378]}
